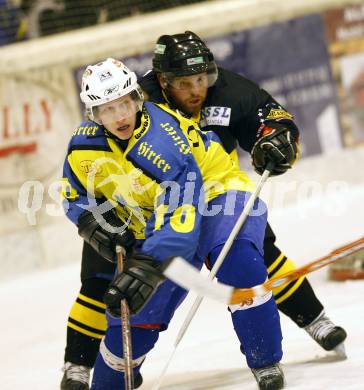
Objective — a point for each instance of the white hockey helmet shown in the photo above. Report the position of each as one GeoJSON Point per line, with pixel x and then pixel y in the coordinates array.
{"type": "Point", "coordinates": [107, 81]}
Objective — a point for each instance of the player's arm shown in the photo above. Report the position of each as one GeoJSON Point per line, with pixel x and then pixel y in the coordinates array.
{"type": "Point", "coordinates": [97, 222]}
{"type": "Point", "coordinates": [267, 130]}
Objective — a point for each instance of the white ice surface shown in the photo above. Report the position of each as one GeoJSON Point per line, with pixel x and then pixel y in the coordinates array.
{"type": "Point", "coordinates": [35, 308]}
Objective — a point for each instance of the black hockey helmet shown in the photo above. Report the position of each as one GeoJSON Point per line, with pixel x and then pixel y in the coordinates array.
{"type": "Point", "coordinates": [183, 55]}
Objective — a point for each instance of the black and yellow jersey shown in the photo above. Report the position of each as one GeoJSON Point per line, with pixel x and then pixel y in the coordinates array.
{"type": "Point", "coordinates": [234, 109]}
{"type": "Point", "coordinates": [158, 184]}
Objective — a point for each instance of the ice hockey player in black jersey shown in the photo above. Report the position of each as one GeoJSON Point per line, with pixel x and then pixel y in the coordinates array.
{"type": "Point", "coordinates": [186, 78]}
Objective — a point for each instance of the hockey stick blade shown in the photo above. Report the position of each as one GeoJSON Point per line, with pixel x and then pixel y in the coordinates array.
{"type": "Point", "coordinates": [188, 277]}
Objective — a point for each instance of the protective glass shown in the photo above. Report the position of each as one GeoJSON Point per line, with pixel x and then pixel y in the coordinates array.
{"type": "Point", "coordinates": [116, 110]}
{"type": "Point", "coordinates": [187, 83]}
{"type": "Point", "coordinates": [189, 78]}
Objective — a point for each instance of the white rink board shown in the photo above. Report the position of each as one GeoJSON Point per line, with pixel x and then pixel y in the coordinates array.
{"type": "Point", "coordinates": [332, 184]}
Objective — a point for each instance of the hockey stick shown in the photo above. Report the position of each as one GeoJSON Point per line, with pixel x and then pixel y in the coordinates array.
{"type": "Point", "coordinates": [184, 274]}
{"type": "Point", "coordinates": [239, 223]}
{"type": "Point", "coordinates": [125, 330]}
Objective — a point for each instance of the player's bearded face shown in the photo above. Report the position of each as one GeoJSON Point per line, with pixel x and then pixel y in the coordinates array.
{"type": "Point", "coordinates": [119, 116]}
{"type": "Point", "coordinates": [188, 92]}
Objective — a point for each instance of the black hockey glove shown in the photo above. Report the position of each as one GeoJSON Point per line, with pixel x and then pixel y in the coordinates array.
{"type": "Point", "coordinates": [102, 238]}
{"type": "Point", "coordinates": [137, 283]}
{"type": "Point", "coordinates": [277, 146]}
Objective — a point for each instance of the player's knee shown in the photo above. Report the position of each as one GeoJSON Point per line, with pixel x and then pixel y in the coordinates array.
{"type": "Point", "coordinates": [243, 267]}
{"type": "Point", "coordinates": [87, 316]}
{"type": "Point", "coordinates": [281, 266]}
{"type": "Point", "coordinates": [251, 303]}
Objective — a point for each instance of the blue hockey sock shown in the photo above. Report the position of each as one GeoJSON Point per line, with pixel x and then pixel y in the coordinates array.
{"type": "Point", "coordinates": [105, 377]}
{"type": "Point", "coordinates": [256, 322]}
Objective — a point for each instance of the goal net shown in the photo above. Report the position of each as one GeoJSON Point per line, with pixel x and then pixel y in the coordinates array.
{"type": "Point", "coordinates": [29, 19]}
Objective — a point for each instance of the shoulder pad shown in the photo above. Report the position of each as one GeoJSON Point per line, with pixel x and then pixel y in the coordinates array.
{"type": "Point", "coordinates": [89, 134]}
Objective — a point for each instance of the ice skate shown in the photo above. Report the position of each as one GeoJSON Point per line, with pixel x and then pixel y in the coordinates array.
{"type": "Point", "coordinates": [75, 377]}
{"type": "Point", "coordinates": [327, 334]}
{"type": "Point", "coordinates": [270, 377]}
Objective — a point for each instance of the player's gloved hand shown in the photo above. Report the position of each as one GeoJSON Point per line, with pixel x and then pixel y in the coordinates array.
{"type": "Point", "coordinates": [275, 145]}
{"type": "Point", "coordinates": [140, 278]}
{"type": "Point", "coordinates": [104, 238]}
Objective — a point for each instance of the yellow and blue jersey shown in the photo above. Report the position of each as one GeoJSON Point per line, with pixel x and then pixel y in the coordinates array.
{"type": "Point", "coordinates": [159, 184]}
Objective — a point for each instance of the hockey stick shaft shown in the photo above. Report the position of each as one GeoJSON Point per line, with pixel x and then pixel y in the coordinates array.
{"type": "Point", "coordinates": [125, 331]}
{"type": "Point", "coordinates": [184, 274]}
{"type": "Point", "coordinates": [240, 295]}
{"type": "Point", "coordinates": [240, 222]}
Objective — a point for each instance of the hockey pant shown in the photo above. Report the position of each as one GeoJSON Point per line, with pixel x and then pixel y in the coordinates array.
{"type": "Point", "coordinates": [256, 323]}
{"type": "Point", "coordinates": [296, 299]}
{"type": "Point", "coordinates": [87, 321]}
{"type": "Point", "coordinates": [86, 324]}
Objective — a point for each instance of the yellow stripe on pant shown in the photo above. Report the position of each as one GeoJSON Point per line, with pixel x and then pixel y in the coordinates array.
{"type": "Point", "coordinates": [92, 301]}
{"type": "Point", "coordinates": [279, 267]}
{"type": "Point", "coordinates": [87, 316]}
